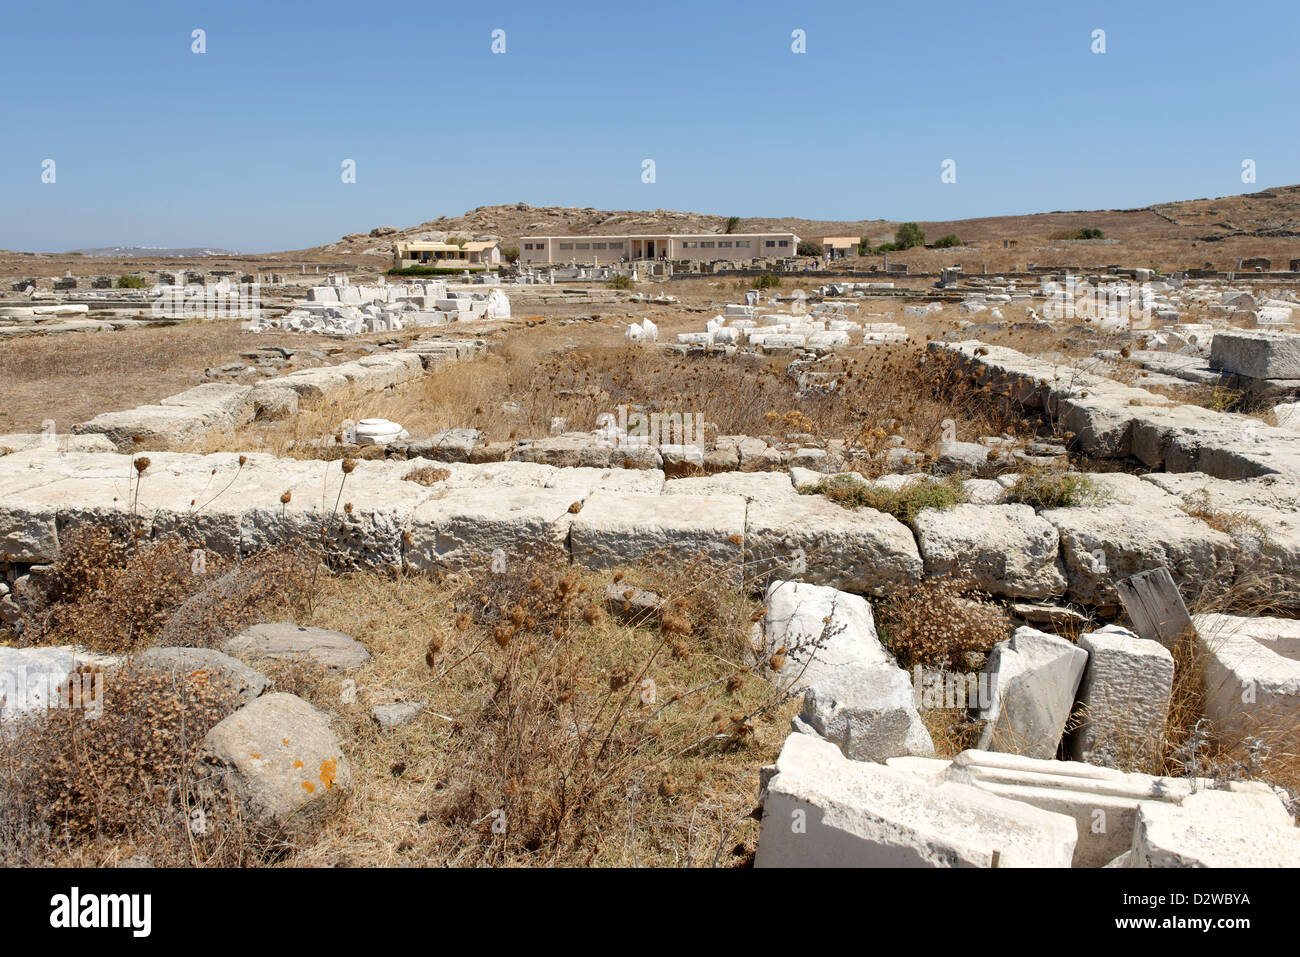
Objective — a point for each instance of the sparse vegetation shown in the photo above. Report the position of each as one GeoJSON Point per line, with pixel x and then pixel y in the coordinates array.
{"type": "Point", "coordinates": [909, 235]}
{"type": "Point", "coordinates": [622, 281]}
{"type": "Point", "coordinates": [1053, 489]}
{"type": "Point", "coordinates": [902, 503]}
{"type": "Point", "coordinates": [947, 242]}
{"type": "Point", "coordinates": [131, 282]}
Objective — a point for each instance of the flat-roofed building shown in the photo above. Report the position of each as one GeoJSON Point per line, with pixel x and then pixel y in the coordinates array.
{"type": "Point", "coordinates": [476, 253]}
{"type": "Point", "coordinates": [837, 247]}
{"type": "Point", "coordinates": [703, 247]}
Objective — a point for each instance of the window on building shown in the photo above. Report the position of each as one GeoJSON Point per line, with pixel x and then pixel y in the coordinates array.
{"type": "Point", "coordinates": [769, 243]}
{"type": "Point", "coordinates": [706, 245]}
{"type": "Point", "coordinates": [724, 244]}
{"type": "Point", "coordinates": [566, 245]}
{"type": "Point", "coordinates": [742, 243]}
{"type": "Point", "coordinates": [785, 242]}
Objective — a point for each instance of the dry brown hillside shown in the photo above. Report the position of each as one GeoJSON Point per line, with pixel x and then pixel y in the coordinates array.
{"type": "Point", "coordinates": [1198, 232]}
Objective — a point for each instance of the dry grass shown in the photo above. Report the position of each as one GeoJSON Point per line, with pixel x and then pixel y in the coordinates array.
{"type": "Point", "coordinates": [116, 593]}
{"type": "Point", "coordinates": [73, 377]}
{"type": "Point", "coordinates": [586, 739]}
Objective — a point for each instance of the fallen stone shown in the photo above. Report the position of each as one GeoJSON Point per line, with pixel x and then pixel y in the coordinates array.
{"type": "Point", "coordinates": [822, 810]}
{"type": "Point", "coordinates": [247, 682]}
{"type": "Point", "coordinates": [397, 714]}
{"type": "Point", "coordinates": [283, 640]}
{"type": "Point", "coordinates": [278, 758]}
{"type": "Point", "coordinates": [1033, 677]}
{"type": "Point", "coordinates": [1123, 699]}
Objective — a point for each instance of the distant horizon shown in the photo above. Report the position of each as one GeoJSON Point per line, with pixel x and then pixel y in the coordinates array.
{"type": "Point", "coordinates": [296, 126]}
{"type": "Point", "coordinates": [82, 250]}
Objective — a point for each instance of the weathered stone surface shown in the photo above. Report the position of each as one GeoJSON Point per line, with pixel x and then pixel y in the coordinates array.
{"type": "Point", "coordinates": [961, 457]}
{"type": "Point", "coordinates": [813, 539]}
{"type": "Point", "coordinates": [248, 682]}
{"type": "Point", "coordinates": [22, 441]}
{"type": "Point", "coordinates": [286, 641]}
{"type": "Point", "coordinates": [278, 757]}
{"type": "Point", "coordinates": [822, 810]}
{"type": "Point", "coordinates": [1252, 673]}
{"type": "Point", "coordinates": [397, 714]}
{"type": "Point", "coordinates": [868, 711]}
{"type": "Point", "coordinates": [1260, 354]}
{"type": "Point", "coordinates": [1103, 802]}
{"type": "Point", "coordinates": [1138, 528]}
{"type": "Point", "coordinates": [1123, 699]}
{"type": "Point", "coordinates": [273, 402]}
{"type": "Point", "coordinates": [1168, 836]}
{"type": "Point", "coordinates": [1004, 549]}
{"type": "Point", "coordinates": [621, 529]}
{"type": "Point", "coordinates": [821, 629]}
{"type": "Point", "coordinates": [1033, 677]}
{"type": "Point", "coordinates": [467, 526]}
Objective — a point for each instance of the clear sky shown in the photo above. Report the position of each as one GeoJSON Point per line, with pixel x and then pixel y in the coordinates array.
{"type": "Point", "coordinates": [242, 146]}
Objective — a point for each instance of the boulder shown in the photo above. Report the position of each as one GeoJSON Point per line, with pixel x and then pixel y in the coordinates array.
{"type": "Point", "coordinates": [279, 759]}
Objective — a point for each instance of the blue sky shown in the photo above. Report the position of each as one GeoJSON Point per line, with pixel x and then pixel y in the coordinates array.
{"type": "Point", "coordinates": [242, 146]}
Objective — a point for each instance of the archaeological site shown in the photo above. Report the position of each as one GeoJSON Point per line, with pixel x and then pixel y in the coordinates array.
{"type": "Point", "coordinates": [622, 536]}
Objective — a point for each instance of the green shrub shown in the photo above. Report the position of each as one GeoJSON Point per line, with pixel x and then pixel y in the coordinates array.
{"type": "Point", "coordinates": [131, 282]}
{"type": "Point", "coordinates": [1055, 490]}
{"type": "Point", "coordinates": [947, 242]}
{"type": "Point", "coordinates": [765, 280]}
{"type": "Point", "coordinates": [509, 253]}
{"type": "Point", "coordinates": [621, 282]}
{"type": "Point", "coordinates": [808, 247]}
{"type": "Point", "coordinates": [733, 223]}
{"type": "Point", "coordinates": [902, 503]}
{"type": "Point", "coordinates": [432, 270]}
{"type": "Point", "coordinates": [909, 235]}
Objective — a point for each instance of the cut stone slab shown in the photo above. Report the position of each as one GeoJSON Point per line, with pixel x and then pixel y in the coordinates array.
{"type": "Point", "coordinates": [278, 757]}
{"type": "Point", "coordinates": [616, 529]}
{"type": "Point", "coordinates": [823, 632]}
{"type": "Point", "coordinates": [1103, 802]}
{"type": "Point", "coordinates": [248, 682]}
{"type": "Point", "coordinates": [1168, 836]}
{"type": "Point", "coordinates": [283, 640]}
{"type": "Point", "coordinates": [813, 539]}
{"type": "Point", "coordinates": [1101, 544]}
{"type": "Point", "coordinates": [1033, 677]}
{"type": "Point", "coordinates": [1252, 673]}
{"type": "Point", "coordinates": [1004, 549]}
{"type": "Point", "coordinates": [632, 604]}
{"type": "Point", "coordinates": [1123, 699]}
{"type": "Point", "coordinates": [1260, 354]}
{"type": "Point", "coordinates": [822, 810]}
{"type": "Point", "coordinates": [868, 711]}
{"type": "Point", "coordinates": [467, 526]}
